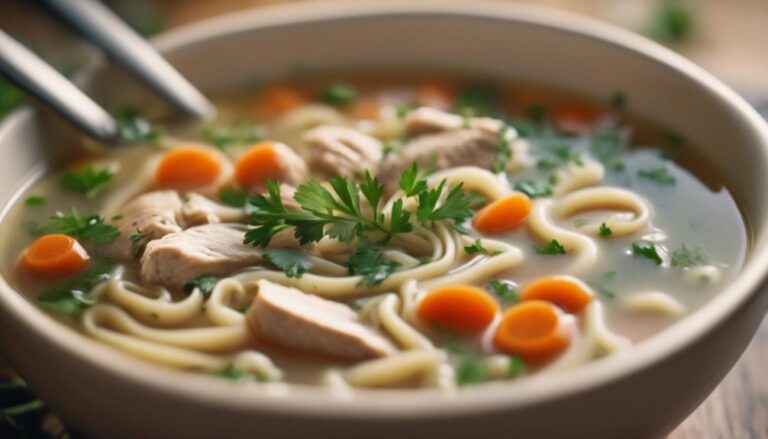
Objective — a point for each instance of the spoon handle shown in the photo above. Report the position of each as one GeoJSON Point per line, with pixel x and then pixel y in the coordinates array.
{"type": "Point", "coordinates": [104, 29]}
{"type": "Point", "coordinates": [34, 75]}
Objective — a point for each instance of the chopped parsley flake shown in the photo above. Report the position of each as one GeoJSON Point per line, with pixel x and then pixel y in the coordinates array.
{"type": "Point", "coordinates": [516, 367]}
{"type": "Point", "coordinates": [73, 296]}
{"type": "Point", "coordinates": [369, 262]}
{"type": "Point", "coordinates": [608, 147]}
{"type": "Point", "coordinates": [91, 228]}
{"type": "Point", "coordinates": [132, 127]}
{"type": "Point", "coordinates": [89, 180]}
{"type": "Point", "coordinates": [504, 290]}
{"type": "Point", "coordinates": [605, 231]}
{"type": "Point", "coordinates": [242, 132]}
{"type": "Point", "coordinates": [475, 248]}
{"type": "Point", "coordinates": [35, 201]}
{"type": "Point", "coordinates": [659, 175]}
{"type": "Point", "coordinates": [504, 151]}
{"type": "Point", "coordinates": [294, 263]}
{"type": "Point", "coordinates": [551, 248]}
{"type": "Point", "coordinates": [533, 189]}
{"type": "Point", "coordinates": [688, 257]}
{"type": "Point", "coordinates": [204, 283]}
{"type": "Point", "coordinates": [233, 197]}
{"type": "Point", "coordinates": [339, 94]}
{"type": "Point", "coordinates": [648, 251]}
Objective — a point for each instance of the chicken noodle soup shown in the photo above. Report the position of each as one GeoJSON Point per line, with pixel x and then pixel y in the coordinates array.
{"type": "Point", "coordinates": [377, 233]}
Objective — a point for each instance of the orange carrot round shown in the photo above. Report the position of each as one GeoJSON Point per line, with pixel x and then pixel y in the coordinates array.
{"type": "Point", "coordinates": [365, 109]}
{"type": "Point", "coordinates": [260, 163]}
{"type": "Point", "coordinates": [465, 309]}
{"type": "Point", "coordinates": [566, 292]}
{"type": "Point", "coordinates": [576, 119]}
{"type": "Point", "coordinates": [55, 255]}
{"type": "Point", "coordinates": [436, 94]}
{"type": "Point", "coordinates": [278, 99]}
{"type": "Point", "coordinates": [503, 214]}
{"type": "Point", "coordinates": [187, 168]}
{"type": "Point", "coordinates": [533, 330]}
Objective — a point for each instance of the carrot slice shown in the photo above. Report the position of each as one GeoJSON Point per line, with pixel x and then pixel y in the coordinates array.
{"type": "Point", "coordinates": [575, 118]}
{"type": "Point", "coordinates": [55, 255]}
{"type": "Point", "coordinates": [365, 109]}
{"type": "Point", "coordinates": [503, 214]}
{"type": "Point", "coordinates": [533, 330]}
{"type": "Point", "coordinates": [436, 94]}
{"type": "Point", "coordinates": [278, 99]}
{"type": "Point", "coordinates": [465, 309]}
{"type": "Point", "coordinates": [187, 168]}
{"type": "Point", "coordinates": [567, 292]}
{"type": "Point", "coordinates": [260, 163]}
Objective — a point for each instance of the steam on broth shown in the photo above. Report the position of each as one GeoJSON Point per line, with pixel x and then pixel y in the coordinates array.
{"type": "Point", "coordinates": [371, 232]}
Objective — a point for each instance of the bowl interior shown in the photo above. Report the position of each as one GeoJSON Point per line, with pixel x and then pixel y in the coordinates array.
{"type": "Point", "coordinates": [506, 42]}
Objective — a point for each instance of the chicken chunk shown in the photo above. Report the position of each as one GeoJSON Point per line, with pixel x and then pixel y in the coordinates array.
{"type": "Point", "coordinates": [444, 141]}
{"type": "Point", "coordinates": [211, 249]}
{"type": "Point", "coordinates": [297, 320]}
{"type": "Point", "coordinates": [198, 209]}
{"type": "Point", "coordinates": [147, 217]}
{"type": "Point", "coordinates": [341, 151]}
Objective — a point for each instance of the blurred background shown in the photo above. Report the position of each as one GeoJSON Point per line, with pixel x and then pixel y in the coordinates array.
{"type": "Point", "coordinates": [726, 37]}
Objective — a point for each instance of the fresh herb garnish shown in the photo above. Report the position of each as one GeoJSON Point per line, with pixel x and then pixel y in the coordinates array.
{"type": "Point", "coordinates": [605, 231]}
{"type": "Point", "coordinates": [516, 367]}
{"type": "Point", "coordinates": [73, 296]}
{"type": "Point", "coordinates": [599, 284]}
{"type": "Point", "coordinates": [659, 175]}
{"type": "Point", "coordinates": [91, 228]}
{"type": "Point", "coordinates": [35, 201]}
{"type": "Point", "coordinates": [619, 100]}
{"type": "Point", "coordinates": [392, 146]}
{"type": "Point", "coordinates": [234, 197]}
{"type": "Point", "coordinates": [533, 189]}
{"type": "Point", "coordinates": [537, 113]}
{"type": "Point", "coordinates": [242, 132]}
{"type": "Point", "coordinates": [339, 94]}
{"type": "Point", "coordinates": [294, 263]}
{"type": "Point", "coordinates": [688, 257]}
{"type": "Point", "coordinates": [505, 291]}
{"type": "Point", "coordinates": [89, 180]}
{"type": "Point", "coordinates": [672, 22]}
{"type": "Point", "coordinates": [132, 127]}
{"type": "Point", "coordinates": [231, 373]}
{"type": "Point", "coordinates": [456, 206]}
{"type": "Point", "coordinates": [205, 284]}
{"type": "Point", "coordinates": [648, 251]}
{"type": "Point", "coordinates": [551, 248]}
{"type": "Point", "coordinates": [369, 262]}
{"type": "Point", "coordinates": [470, 367]}
{"type": "Point", "coordinates": [138, 243]}
{"type": "Point", "coordinates": [10, 97]}
{"type": "Point", "coordinates": [411, 183]}
{"type": "Point", "coordinates": [402, 109]}
{"type": "Point", "coordinates": [504, 151]}
{"type": "Point", "coordinates": [480, 99]}
{"type": "Point", "coordinates": [475, 248]}
{"type": "Point", "coordinates": [608, 147]}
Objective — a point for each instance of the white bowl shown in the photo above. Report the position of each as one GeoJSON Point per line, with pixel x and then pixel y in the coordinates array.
{"type": "Point", "coordinates": [643, 392]}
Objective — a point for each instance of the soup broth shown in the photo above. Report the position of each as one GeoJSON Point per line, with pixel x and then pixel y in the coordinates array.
{"type": "Point", "coordinates": [431, 230]}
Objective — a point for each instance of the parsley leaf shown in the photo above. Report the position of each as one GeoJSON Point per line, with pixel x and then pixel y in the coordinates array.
{"type": "Point", "coordinates": [505, 291]}
{"type": "Point", "coordinates": [672, 22]}
{"type": "Point", "coordinates": [647, 251]}
{"type": "Point", "coordinates": [688, 257]}
{"type": "Point", "coordinates": [605, 231]}
{"type": "Point", "coordinates": [516, 367]}
{"type": "Point", "coordinates": [369, 262]}
{"type": "Point", "coordinates": [132, 127]}
{"type": "Point", "coordinates": [339, 94]}
{"type": "Point", "coordinates": [242, 132]}
{"type": "Point", "coordinates": [35, 201]}
{"type": "Point", "coordinates": [391, 147]}
{"type": "Point", "coordinates": [73, 296]}
{"type": "Point", "coordinates": [533, 189]}
{"type": "Point", "coordinates": [233, 197]}
{"type": "Point", "coordinates": [293, 262]}
{"type": "Point", "coordinates": [551, 248]}
{"type": "Point", "coordinates": [88, 180]}
{"type": "Point", "coordinates": [504, 151]}
{"type": "Point", "coordinates": [410, 181]}
{"type": "Point", "coordinates": [91, 228]}
{"type": "Point", "coordinates": [608, 147]}
{"type": "Point", "coordinates": [479, 99]}
{"type": "Point", "coordinates": [204, 283]}
{"type": "Point", "coordinates": [456, 206]}
{"type": "Point", "coordinates": [659, 175]}
{"type": "Point", "coordinates": [231, 373]}
{"type": "Point", "coordinates": [475, 248]}
{"type": "Point", "coordinates": [470, 367]}
{"type": "Point", "coordinates": [10, 97]}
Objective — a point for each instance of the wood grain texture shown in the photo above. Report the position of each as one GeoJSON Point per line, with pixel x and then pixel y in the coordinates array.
{"type": "Point", "coordinates": [738, 408]}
